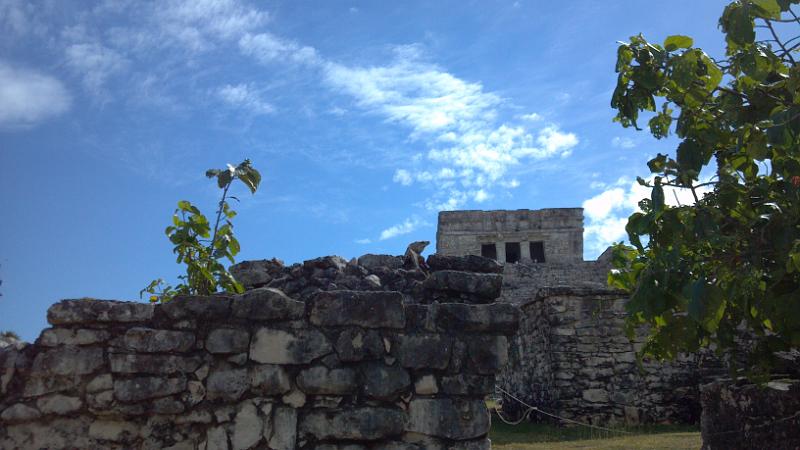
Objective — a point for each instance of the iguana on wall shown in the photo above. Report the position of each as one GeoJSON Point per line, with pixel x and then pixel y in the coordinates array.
{"type": "Point", "coordinates": [413, 256]}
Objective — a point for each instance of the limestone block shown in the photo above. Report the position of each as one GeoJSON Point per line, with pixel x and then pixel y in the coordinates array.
{"type": "Point", "coordinates": [156, 364]}
{"type": "Point", "coordinates": [295, 399]}
{"type": "Point", "coordinates": [467, 263]}
{"type": "Point", "coordinates": [267, 304]}
{"type": "Point", "coordinates": [373, 281]}
{"type": "Point", "coordinates": [366, 423]}
{"type": "Point", "coordinates": [166, 405]}
{"type": "Point", "coordinates": [247, 426]}
{"type": "Point", "coordinates": [426, 385]}
{"type": "Point", "coordinates": [465, 384]}
{"type": "Point", "coordinates": [68, 361]}
{"type": "Point", "coordinates": [254, 273]}
{"type": "Point", "coordinates": [58, 404]}
{"type": "Point", "coordinates": [227, 340]}
{"type": "Point", "coordinates": [102, 382]}
{"type": "Point", "coordinates": [89, 310]}
{"type": "Point", "coordinates": [197, 306]}
{"type": "Point", "coordinates": [142, 388]}
{"type": "Point", "coordinates": [424, 351]}
{"type": "Point", "coordinates": [268, 379]}
{"type": "Point", "coordinates": [371, 309]}
{"type": "Point", "coordinates": [496, 317]}
{"type": "Point", "coordinates": [384, 382]}
{"type": "Point", "coordinates": [483, 285]}
{"type": "Point", "coordinates": [100, 401]}
{"type": "Point", "coordinates": [19, 413]}
{"type": "Point", "coordinates": [319, 380]}
{"type": "Point", "coordinates": [52, 337]}
{"type": "Point", "coordinates": [284, 434]}
{"type": "Point", "coordinates": [227, 384]}
{"type": "Point", "coordinates": [274, 346]}
{"type": "Point", "coordinates": [487, 354]}
{"type": "Point", "coordinates": [115, 431]}
{"type": "Point", "coordinates": [371, 261]}
{"type": "Point", "coordinates": [448, 418]}
{"type": "Point", "coordinates": [150, 340]}
{"type": "Point", "coordinates": [595, 395]}
{"type": "Point", "coordinates": [356, 344]}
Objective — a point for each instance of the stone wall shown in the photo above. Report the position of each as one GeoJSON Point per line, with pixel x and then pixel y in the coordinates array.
{"type": "Point", "coordinates": [522, 282]}
{"type": "Point", "coordinates": [560, 229]}
{"type": "Point", "coordinates": [345, 369]}
{"type": "Point", "coordinates": [572, 358]}
{"type": "Point", "coordinates": [746, 416]}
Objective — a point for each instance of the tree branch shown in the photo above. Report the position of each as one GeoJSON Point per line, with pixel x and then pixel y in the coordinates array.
{"type": "Point", "coordinates": [777, 39]}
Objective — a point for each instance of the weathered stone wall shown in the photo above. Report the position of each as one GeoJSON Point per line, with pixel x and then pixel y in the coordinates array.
{"type": "Point", "coordinates": [522, 282]}
{"type": "Point", "coordinates": [572, 358]}
{"type": "Point", "coordinates": [561, 230]}
{"type": "Point", "coordinates": [343, 369]}
{"type": "Point", "coordinates": [746, 416]}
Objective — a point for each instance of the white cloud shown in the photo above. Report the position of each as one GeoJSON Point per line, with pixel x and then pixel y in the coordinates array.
{"type": "Point", "coordinates": [457, 119]}
{"type": "Point", "coordinates": [403, 177]}
{"type": "Point", "coordinates": [407, 226]}
{"type": "Point", "coordinates": [556, 142]}
{"type": "Point", "coordinates": [95, 63]}
{"type": "Point", "coordinates": [532, 117]}
{"type": "Point", "coordinates": [481, 196]}
{"type": "Point", "coordinates": [28, 97]}
{"type": "Point", "coordinates": [608, 211]}
{"type": "Point", "coordinates": [244, 96]}
{"type": "Point", "coordinates": [267, 48]}
{"type": "Point", "coordinates": [414, 93]}
{"type": "Point", "coordinates": [363, 241]}
{"type": "Point", "coordinates": [623, 142]}
{"type": "Point", "coordinates": [19, 17]}
{"type": "Point", "coordinates": [195, 23]}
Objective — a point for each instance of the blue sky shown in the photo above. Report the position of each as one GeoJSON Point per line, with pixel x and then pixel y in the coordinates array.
{"type": "Point", "coordinates": [364, 118]}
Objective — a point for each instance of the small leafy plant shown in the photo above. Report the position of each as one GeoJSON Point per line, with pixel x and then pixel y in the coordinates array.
{"type": "Point", "coordinates": [201, 247]}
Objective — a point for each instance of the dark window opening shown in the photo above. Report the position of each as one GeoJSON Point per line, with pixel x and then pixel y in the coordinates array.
{"type": "Point", "coordinates": [489, 251]}
{"type": "Point", "coordinates": [512, 252]}
{"type": "Point", "coordinates": [537, 252]}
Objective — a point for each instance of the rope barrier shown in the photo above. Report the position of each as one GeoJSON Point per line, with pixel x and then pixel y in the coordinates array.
{"type": "Point", "coordinates": [538, 410]}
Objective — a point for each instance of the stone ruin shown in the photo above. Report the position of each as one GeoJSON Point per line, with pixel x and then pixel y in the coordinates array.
{"type": "Point", "coordinates": [571, 356]}
{"type": "Point", "coordinates": [328, 354]}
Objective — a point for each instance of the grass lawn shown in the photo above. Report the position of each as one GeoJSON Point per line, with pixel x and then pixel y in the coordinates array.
{"type": "Point", "coordinates": [530, 436]}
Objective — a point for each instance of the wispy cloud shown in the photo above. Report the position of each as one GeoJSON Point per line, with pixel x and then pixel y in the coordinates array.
{"type": "Point", "coordinates": [409, 225]}
{"type": "Point", "coordinates": [267, 48]}
{"type": "Point", "coordinates": [607, 212]}
{"type": "Point", "coordinates": [623, 142]}
{"type": "Point", "coordinates": [28, 97]}
{"type": "Point", "coordinates": [244, 96]}
{"type": "Point", "coordinates": [198, 23]}
{"type": "Point", "coordinates": [470, 150]}
{"type": "Point", "coordinates": [95, 64]}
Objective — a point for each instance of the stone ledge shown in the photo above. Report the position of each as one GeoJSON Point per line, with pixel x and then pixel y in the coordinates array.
{"type": "Point", "coordinates": [499, 317]}
{"type": "Point", "coordinates": [486, 286]}
{"type": "Point", "coordinates": [368, 309]}
{"type": "Point", "coordinates": [83, 311]}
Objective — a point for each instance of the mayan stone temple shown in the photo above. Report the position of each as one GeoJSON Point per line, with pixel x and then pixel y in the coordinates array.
{"type": "Point", "coordinates": [570, 356]}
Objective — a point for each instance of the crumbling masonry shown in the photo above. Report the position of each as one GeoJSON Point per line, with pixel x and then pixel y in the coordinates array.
{"type": "Point", "coordinates": [571, 356]}
{"type": "Point", "coordinates": [325, 355]}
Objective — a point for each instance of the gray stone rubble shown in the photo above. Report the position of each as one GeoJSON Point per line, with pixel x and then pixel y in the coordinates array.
{"type": "Point", "coordinates": [329, 354]}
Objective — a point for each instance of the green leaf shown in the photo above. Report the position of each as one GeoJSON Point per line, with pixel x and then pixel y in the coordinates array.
{"type": "Point", "coordinates": [674, 42]}
{"type": "Point", "coordinates": [767, 9]}
{"type": "Point", "coordinates": [657, 195]}
{"type": "Point", "coordinates": [690, 158]}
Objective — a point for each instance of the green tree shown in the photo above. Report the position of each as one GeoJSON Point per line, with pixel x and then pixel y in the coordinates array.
{"type": "Point", "coordinates": [700, 274]}
{"type": "Point", "coordinates": [201, 247]}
